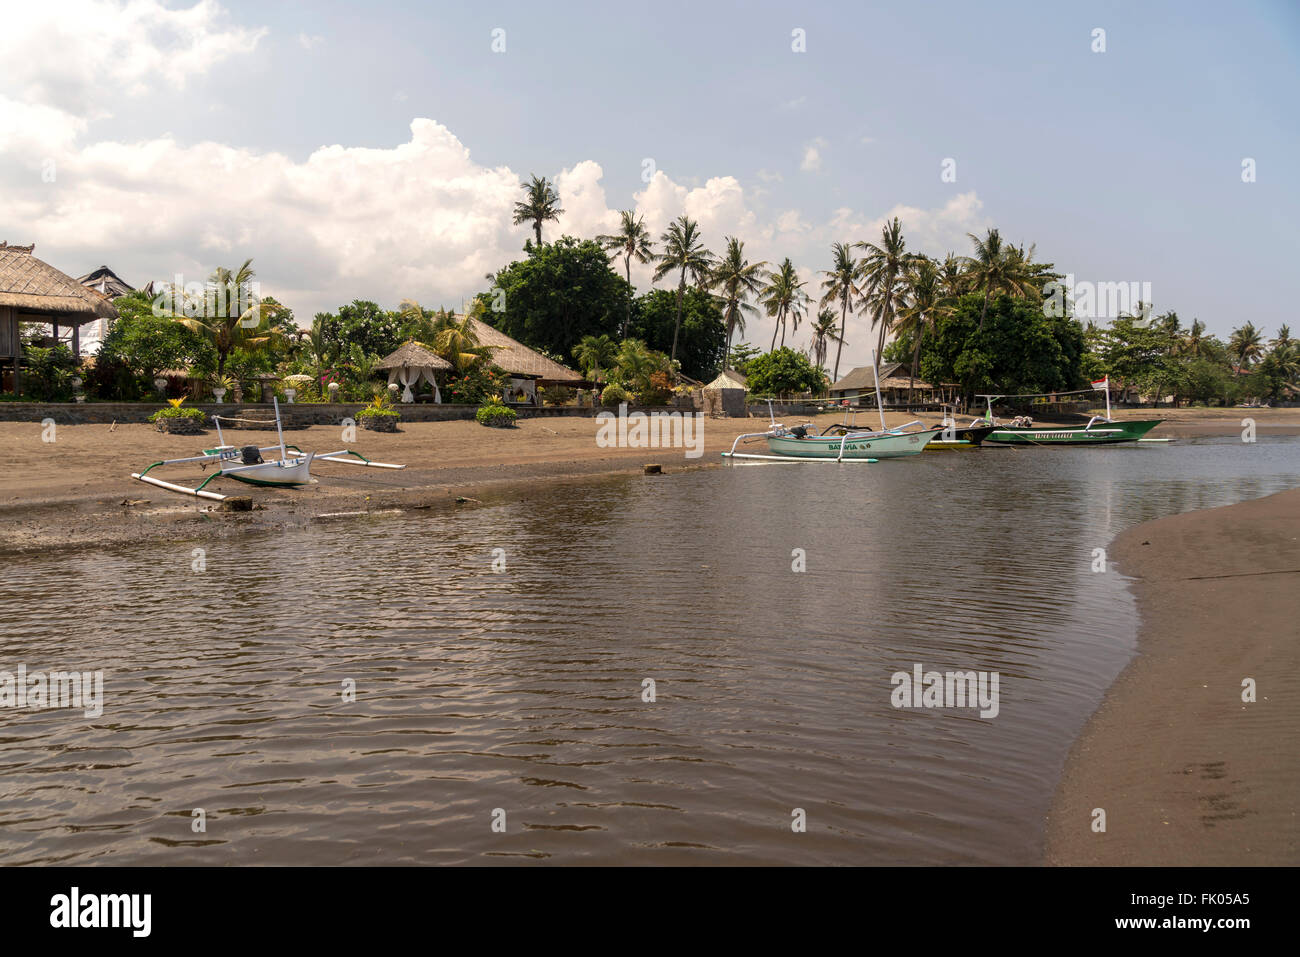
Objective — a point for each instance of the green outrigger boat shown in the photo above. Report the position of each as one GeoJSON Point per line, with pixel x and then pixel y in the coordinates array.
{"type": "Point", "coordinates": [1100, 430]}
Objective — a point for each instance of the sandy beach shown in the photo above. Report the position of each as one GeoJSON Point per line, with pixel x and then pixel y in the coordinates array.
{"type": "Point", "coordinates": [77, 490]}
{"type": "Point", "coordinates": [1187, 772]}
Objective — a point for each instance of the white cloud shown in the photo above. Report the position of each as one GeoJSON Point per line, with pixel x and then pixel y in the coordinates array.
{"type": "Point", "coordinates": [812, 156]}
{"type": "Point", "coordinates": [78, 55]}
{"type": "Point", "coordinates": [308, 42]}
{"type": "Point", "coordinates": [769, 176]}
{"type": "Point", "coordinates": [419, 218]}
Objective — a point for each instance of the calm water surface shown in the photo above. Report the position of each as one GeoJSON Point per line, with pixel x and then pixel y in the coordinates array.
{"type": "Point", "coordinates": [522, 690]}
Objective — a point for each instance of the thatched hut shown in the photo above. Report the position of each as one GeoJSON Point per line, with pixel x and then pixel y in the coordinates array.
{"type": "Point", "coordinates": [410, 363]}
{"type": "Point", "coordinates": [527, 367]}
{"type": "Point", "coordinates": [34, 291]}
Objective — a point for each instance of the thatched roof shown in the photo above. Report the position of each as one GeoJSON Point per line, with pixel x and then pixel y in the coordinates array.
{"type": "Point", "coordinates": [863, 378]}
{"type": "Point", "coordinates": [729, 379]}
{"type": "Point", "coordinates": [414, 356]}
{"type": "Point", "coordinates": [106, 281]}
{"type": "Point", "coordinates": [517, 359]}
{"type": "Point", "coordinates": [30, 285]}
{"type": "Point", "coordinates": [893, 375]}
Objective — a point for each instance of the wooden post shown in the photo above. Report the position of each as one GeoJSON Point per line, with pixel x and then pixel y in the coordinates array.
{"type": "Point", "coordinates": [76, 341]}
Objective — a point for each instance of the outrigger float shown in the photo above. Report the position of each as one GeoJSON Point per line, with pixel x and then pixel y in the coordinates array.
{"type": "Point", "coordinates": [246, 464]}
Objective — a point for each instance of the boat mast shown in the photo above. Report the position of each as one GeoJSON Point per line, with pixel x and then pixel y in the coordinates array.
{"type": "Point", "coordinates": [875, 374]}
{"type": "Point", "coordinates": [279, 431]}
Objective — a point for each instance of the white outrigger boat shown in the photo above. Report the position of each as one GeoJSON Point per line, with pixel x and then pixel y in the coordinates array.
{"type": "Point", "coordinates": [797, 444]}
{"type": "Point", "coordinates": [246, 464]}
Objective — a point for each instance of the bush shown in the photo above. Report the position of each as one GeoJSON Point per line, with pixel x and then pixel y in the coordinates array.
{"type": "Point", "coordinates": [381, 407]}
{"type": "Point", "coordinates": [49, 372]}
{"type": "Point", "coordinates": [614, 394]}
{"type": "Point", "coordinates": [495, 416]}
{"type": "Point", "coordinates": [477, 384]}
{"type": "Point", "coordinates": [556, 394]}
{"type": "Point", "coordinates": [174, 411]}
{"type": "Point", "coordinates": [659, 391]}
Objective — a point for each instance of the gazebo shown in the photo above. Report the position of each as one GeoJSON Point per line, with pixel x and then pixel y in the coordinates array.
{"type": "Point", "coordinates": [34, 291]}
{"type": "Point", "coordinates": [411, 363]}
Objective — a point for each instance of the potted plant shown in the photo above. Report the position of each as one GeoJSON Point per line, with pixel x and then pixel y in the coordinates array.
{"type": "Point", "coordinates": [495, 415]}
{"type": "Point", "coordinates": [177, 420]}
{"type": "Point", "coordinates": [220, 386]}
{"type": "Point", "coordinates": [379, 416]}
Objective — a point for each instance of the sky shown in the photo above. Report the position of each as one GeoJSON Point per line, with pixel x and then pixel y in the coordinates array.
{"type": "Point", "coordinates": [375, 150]}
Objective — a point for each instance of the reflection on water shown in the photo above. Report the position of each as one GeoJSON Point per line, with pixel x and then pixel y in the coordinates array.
{"type": "Point", "coordinates": [523, 690]}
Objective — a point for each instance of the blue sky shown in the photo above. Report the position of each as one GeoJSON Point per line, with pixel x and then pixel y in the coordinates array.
{"type": "Point", "coordinates": [1120, 166]}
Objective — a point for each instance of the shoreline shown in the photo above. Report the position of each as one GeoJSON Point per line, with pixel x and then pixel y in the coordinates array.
{"type": "Point", "coordinates": [1187, 772]}
{"type": "Point", "coordinates": [77, 492]}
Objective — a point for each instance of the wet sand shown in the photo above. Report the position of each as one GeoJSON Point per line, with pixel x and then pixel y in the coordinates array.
{"type": "Point", "coordinates": [1187, 772]}
{"type": "Point", "coordinates": [77, 490]}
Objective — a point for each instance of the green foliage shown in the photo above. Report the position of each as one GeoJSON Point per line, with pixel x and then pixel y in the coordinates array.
{"type": "Point", "coordinates": [562, 292]}
{"type": "Point", "coordinates": [361, 324]}
{"type": "Point", "coordinates": [702, 339]}
{"type": "Point", "coordinates": [138, 346]}
{"type": "Point", "coordinates": [48, 374]}
{"type": "Point", "coordinates": [1018, 350]}
{"type": "Point", "coordinates": [783, 372]}
{"type": "Point", "coordinates": [495, 416]}
{"type": "Point", "coordinates": [741, 356]}
{"type": "Point", "coordinates": [613, 394]}
{"type": "Point", "coordinates": [476, 384]}
{"type": "Point", "coordinates": [177, 412]}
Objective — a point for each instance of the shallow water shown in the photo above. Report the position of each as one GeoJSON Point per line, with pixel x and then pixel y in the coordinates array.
{"type": "Point", "coordinates": [522, 690]}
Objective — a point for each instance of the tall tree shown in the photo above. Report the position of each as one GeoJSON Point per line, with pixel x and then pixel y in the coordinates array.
{"type": "Point", "coordinates": [631, 241]}
{"type": "Point", "coordinates": [924, 304]}
{"type": "Point", "coordinates": [737, 279]}
{"type": "Point", "coordinates": [1245, 345]}
{"type": "Point", "coordinates": [841, 285]}
{"type": "Point", "coordinates": [541, 203]}
{"type": "Point", "coordinates": [997, 268]}
{"type": "Point", "coordinates": [783, 298]}
{"type": "Point", "coordinates": [245, 321]}
{"type": "Point", "coordinates": [883, 269]}
{"type": "Point", "coordinates": [823, 330]}
{"type": "Point", "coordinates": [684, 253]}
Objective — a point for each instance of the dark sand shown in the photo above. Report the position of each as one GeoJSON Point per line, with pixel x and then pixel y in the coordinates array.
{"type": "Point", "coordinates": [1188, 773]}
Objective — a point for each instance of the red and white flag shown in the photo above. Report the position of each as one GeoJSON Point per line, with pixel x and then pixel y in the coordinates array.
{"type": "Point", "coordinates": [1102, 383]}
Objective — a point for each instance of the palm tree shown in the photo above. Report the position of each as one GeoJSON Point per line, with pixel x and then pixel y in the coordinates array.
{"type": "Point", "coordinates": [457, 342]}
{"type": "Point", "coordinates": [952, 276]}
{"type": "Point", "coordinates": [997, 269]}
{"type": "Point", "coordinates": [1246, 344]}
{"type": "Point", "coordinates": [738, 279]}
{"type": "Point", "coordinates": [883, 268]}
{"type": "Point", "coordinates": [541, 204]}
{"type": "Point", "coordinates": [841, 286]}
{"type": "Point", "coordinates": [925, 303]}
{"type": "Point", "coordinates": [684, 252]}
{"type": "Point", "coordinates": [823, 330]}
{"type": "Point", "coordinates": [635, 364]}
{"type": "Point", "coordinates": [1283, 339]}
{"type": "Point", "coordinates": [595, 351]}
{"type": "Point", "coordinates": [783, 298]}
{"type": "Point", "coordinates": [1193, 342]}
{"type": "Point", "coordinates": [246, 326]}
{"type": "Point", "coordinates": [631, 240]}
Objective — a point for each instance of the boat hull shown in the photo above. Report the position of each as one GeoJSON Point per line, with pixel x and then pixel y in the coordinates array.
{"type": "Point", "coordinates": [288, 473]}
{"type": "Point", "coordinates": [886, 446]}
{"type": "Point", "coordinates": [970, 437]}
{"type": "Point", "coordinates": [1102, 433]}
